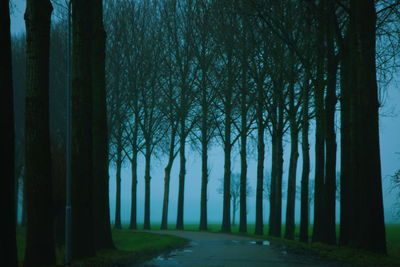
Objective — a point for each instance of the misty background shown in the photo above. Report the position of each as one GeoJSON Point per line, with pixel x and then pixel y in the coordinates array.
{"type": "Point", "coordinates": [390, 159]}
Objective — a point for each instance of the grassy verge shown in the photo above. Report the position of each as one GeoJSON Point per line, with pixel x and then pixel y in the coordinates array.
{"type": "Point", "coordinates": [131, 247]}
{"type": "Point", "coordinates": [335, 253]}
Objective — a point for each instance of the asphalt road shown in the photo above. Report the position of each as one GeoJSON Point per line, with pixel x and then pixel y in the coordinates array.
{"type": "Point", "coordinates": [217, 249]}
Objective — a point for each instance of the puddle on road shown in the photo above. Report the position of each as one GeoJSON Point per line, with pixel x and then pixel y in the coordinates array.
{"type": "Point", "coordinates": [262, 243]}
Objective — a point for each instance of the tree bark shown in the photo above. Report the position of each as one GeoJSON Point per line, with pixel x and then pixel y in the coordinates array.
{"type": "Point", "coordinates": [319, 92]}
{"type": "Point", "coordinates": [102, 225]}
{"type": "Point", "coordinates": [204, 169]}
{"type": "Point", "coordinates": [291, 192]}
{"type": "Point", "coordinates": [259, 227]}
{"type": "Point", "coordinates": [82, 163]}
{"type": "Point", "coordinates": [147, 179]}
{"type": "Point", "coordinates": [182, 173]}
{"type": "Point", "coordinates": [133, 220]}
{"type": "Point", "coordinates": [330, 134]}
{"type": "Point", "coordinates": [117, 223]}
{"type": "Point", "coordinates": [39, 237]}
{"type": "Point", "coordinates": [305, 176]}
{"type": "Point", "coordinates": [167, 178]}
{"type": "Point", "coordinates": [367, 227]}
{"type": "Point", "coordinates": [8, 246]}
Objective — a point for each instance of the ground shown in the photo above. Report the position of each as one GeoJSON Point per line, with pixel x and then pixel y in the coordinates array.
{"type": "Point", "coordinates": [217, 249]}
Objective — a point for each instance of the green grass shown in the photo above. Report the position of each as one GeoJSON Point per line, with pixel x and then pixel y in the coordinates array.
{"type": "Point", "coordinates": [131, 246]}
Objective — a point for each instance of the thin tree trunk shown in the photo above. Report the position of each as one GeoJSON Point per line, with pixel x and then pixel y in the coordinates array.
{"type": "Point", "coordinates": [164, 220]}
{"type": "Point", "coordinates": [39, 237]}
{"type": "Point", "coordinates": [147, 179]}
{"type": "Point", "coordinates": [182, 173]}
{"type": "Point", "coordinates": [346, 205]}
{"type": "Point", "coordinates": [8, 245]}
{"type": "Point", "coordinates": [102, 225]}
{"type": "Point", "coordinates": [226, 222]}
{"type": "Point", "coordinates": [319, 204]}
{"type": "Point", "coordinates": [204, 173]}
{"type": "Point", "coordinates": [330, 134]}
{"type": "Point", "coordinates": [259, 227]}
{"type": "Point", "coordinates": [133, 220]}
{"type": "Point", "coordinates": [117, 223]}
{"type": "Point", "coordinates": [291, 192]}
{"type": "Point", "coordinates": [305, 176]}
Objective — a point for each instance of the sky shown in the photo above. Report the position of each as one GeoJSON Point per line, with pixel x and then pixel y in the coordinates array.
{"type": "Point", "coordinates": [390, 145]}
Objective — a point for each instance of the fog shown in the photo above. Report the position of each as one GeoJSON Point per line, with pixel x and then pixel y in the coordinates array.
{"type": "Point", "coordinates": [390, 145]}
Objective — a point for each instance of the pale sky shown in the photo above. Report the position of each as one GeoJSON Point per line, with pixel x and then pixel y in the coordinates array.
{"type": "Point", "coordinates": [390, 144]}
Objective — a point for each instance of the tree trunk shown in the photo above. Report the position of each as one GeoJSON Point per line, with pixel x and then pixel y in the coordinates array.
{"type": "Point", "coordinates": [164, 220]}
{"type": "Point", "coordinates": [365, 186]}
{"type": "Point", "coordinates": [182, 173]}
{"type": "Point", "coordinates": [24, 202]}
{"type": "Point", "coordinates": [259, 227]}
{"type": "Point", "coordinates": [204, 173]}
{"type": "Point", "coordinates": [147, 179]}
{"type": "Point", "coordinates": [305, 176]}
{"type": "Point", "coordinates": [81, 159]}
{"type": "Point", "coordinates": [291, 192]}
{"type": "Point", "coordinates": [226, 214]}
{"type": "Point", "coordinates": [319, 207]}
{"type": "Point", "coordinates": [8, 245]}
{"type": "Point", "coordinates": [346, 205]}
{"type": "Point", "coordinates": [102, 225]}
{"type": "Point", "coordinates": [243, 166]}
{"type": "Point", "coordinates": [133, 220]}
{"type": "Point", "coordinates": [39, 237]}
{"type": "Point", "coordinates": [330, 134]}
{"type": "Point", "coordinates": [117, 223]}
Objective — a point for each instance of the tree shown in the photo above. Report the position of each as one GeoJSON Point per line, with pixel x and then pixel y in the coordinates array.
{"type": "Point", "coordinates": [235, 193]}
{"type": "Point", "coordinates": [82, 134]}
{"type": "Point", "coordinates": [39, 239]}
{"type": "Point", "coordinates": [8, 246]}
{"type": "Point", "coordinates": [361, 185]}
{"type": "Point", "coordinates": [204, 52]}
{"type": "Point", "coordinates": [101, 209]}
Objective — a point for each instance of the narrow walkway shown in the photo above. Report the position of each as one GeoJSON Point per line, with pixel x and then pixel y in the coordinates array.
{"type": "Point", "coordinates": [217, 249]}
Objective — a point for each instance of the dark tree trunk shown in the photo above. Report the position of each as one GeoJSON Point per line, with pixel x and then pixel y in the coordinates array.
{"type": "Point", "coordinates": [147, 179]}
{"type": "Point", "coordinates": [167, 179]}
{"type": "Point", "coordinates": [204, 172]}
{"type": "Point", "coordinates": [8, 245]}
{"type": "Point", "coordinates": [319, 204]}
{"type": "Point", "coordinates": [346, 205]}
{"type": "Point", "coordinates": [291, 191]}
{"type": "Point", "coordinates": [305, 176]}
{"type": "Point", "coordinates": [259, 227]}
{"type": "Point", "coordinates": [275, 221]}
{"type": "Point", "coordinates": [82, 165]}
{"type": "Point", "coordinates": [330, 134]}
{"type": "Point", "coordinates": [133, 220]}
{"type": "Point", "coordinates": [367, 227]}
{"type": "Point", "coordinates": [243, 132]}
{"type": "Point", "coordinates": [226, 213]}
{"type": "Point", "coordinates": [117, 223]}
{"type": "Point", "coordinates": [39, 237]}
{"type": "Point", "coordinates": [24, 204]}
{"type": "Point", "coordinates": [182, 173]}
{"type": "Point", "coordinates": [101, 208]}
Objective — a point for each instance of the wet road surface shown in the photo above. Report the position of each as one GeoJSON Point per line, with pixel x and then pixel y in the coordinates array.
{"type": "Point", "coordinates": [217, 249]}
